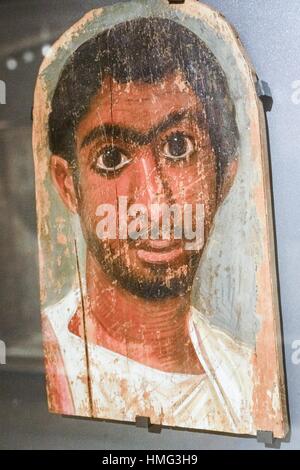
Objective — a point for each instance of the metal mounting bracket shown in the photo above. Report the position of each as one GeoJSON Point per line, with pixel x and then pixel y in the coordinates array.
{"type": "Point", "coordinates": [143, 422]}
{"type": "Point", "coordinates": [265, 437]}
{"type": "Point", "coordinates": [264, 93]}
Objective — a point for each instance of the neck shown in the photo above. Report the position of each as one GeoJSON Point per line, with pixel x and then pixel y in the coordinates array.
{"type": "Point", "coordinates": [153, 332]}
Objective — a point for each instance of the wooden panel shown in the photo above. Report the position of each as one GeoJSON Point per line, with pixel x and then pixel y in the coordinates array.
{"type": "Point", "coordinates": [158, 278]}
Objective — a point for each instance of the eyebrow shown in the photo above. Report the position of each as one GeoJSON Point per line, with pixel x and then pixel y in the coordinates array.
{"type": "Point", "coordinates": [130, 135]}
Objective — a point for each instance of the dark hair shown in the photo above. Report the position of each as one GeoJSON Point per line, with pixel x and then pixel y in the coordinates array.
{"type": "Point", "coordinates": [144, 49]}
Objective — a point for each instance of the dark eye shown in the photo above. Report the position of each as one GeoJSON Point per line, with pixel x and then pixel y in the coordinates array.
{"type": "Point", "coordinates": [111, 159]}
{"type": "Point", "coordinates": [178, 146]}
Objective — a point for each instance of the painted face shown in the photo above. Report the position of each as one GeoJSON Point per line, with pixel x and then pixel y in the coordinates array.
{"type": "Point", "coordinates": [149, 143]}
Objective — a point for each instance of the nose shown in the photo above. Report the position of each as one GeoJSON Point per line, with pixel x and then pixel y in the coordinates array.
{"type": "Point", "coordinates": [150, 188]}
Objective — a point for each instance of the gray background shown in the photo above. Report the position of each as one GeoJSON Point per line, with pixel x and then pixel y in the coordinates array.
{"type": "Point", "coordinates": [270, 31]}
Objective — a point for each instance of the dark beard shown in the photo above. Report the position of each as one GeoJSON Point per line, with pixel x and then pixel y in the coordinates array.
{"type": "Point", "coordinates": [152, 289]}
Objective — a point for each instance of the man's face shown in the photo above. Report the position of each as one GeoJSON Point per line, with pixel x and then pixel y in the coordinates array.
{"type": "Point", "coordinates": [150, 143]}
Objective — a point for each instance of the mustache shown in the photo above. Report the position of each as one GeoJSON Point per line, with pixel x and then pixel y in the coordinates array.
{"type": "Point", "coordinates": [132, 280]}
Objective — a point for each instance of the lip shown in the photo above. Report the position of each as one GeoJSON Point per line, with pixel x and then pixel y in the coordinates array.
{"type": "Point", "coordinates": [159, 252]}
{"type": "Point", "coordinates": [161, 245]}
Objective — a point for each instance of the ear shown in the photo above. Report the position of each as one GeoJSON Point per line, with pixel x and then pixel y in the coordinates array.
{"type": "Point", "coordinates": [63, 180]}
{"type": "Point", "coordinates": [228, 179]}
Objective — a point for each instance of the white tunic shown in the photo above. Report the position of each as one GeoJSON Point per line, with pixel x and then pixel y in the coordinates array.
{"type": "Point", "coordinates": [121, 389]}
